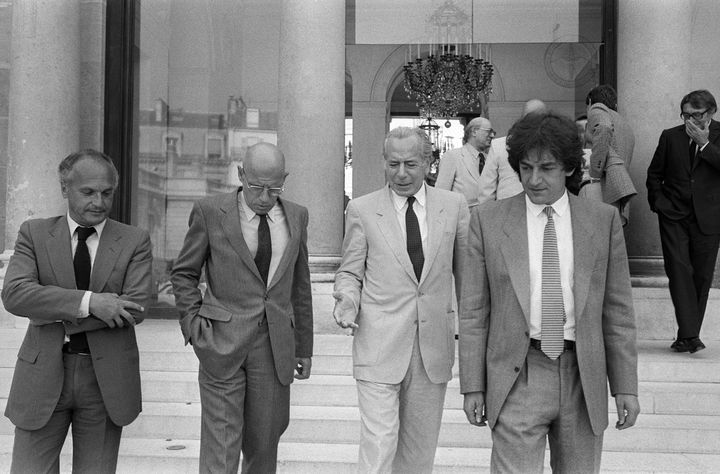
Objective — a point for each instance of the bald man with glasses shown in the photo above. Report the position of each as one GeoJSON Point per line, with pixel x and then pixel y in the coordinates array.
{"type": "Point", "coordinates": [253, 326]}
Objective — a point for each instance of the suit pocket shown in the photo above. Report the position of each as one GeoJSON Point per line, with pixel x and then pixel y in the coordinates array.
{"type": "Point", "coordinates": [28, 354]}
{"type": "Point", "coordinates": [217, 313]}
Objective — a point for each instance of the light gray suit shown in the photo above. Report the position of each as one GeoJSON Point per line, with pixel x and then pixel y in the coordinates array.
{"type": "Point", "coordinates": [459, 172]}
{"type": "Point", "coordinates": [498, 180]}
{"type": "Point", "coordinates": [495, 305]}
{"type": "Point", "coordinates": [236, 320]}
{"type": "Point", "coordinates": [399, 315]}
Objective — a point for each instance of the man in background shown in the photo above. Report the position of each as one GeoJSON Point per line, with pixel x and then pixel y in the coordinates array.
{"type": "Point", "coordinates": [460, 168]}
{"type": "Point", "coordinates": [683, 183]}
{"type": "Point", "coordinates": [498, 180]}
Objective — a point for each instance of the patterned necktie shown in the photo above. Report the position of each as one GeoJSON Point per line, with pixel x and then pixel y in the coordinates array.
{"type": "Point", "coordinates": [553, 309]}
{"type": "Point", "coordinates": [481, 162]}
{"type": "Point", "coordinates": [83, 268]}
{"type": "Point", "coordinates": [414, 240]}
{"type": "Point", "coordinates": [264, 250]}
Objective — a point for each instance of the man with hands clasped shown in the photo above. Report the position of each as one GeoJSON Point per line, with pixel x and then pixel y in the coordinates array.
{"type": "Point", "coordinates": [83, 280]}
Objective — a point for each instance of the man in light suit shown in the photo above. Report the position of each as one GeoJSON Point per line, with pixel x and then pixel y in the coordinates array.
{"type": "Point", "coordinates": [253, 327]}
{"type": "Point", "coordinates": [83, 281]}
{"type": "Point", "coordinates": [683, 183]}
{"type": "Point", "coordinates": [546, 316]}
{"type": "Point", "coordinates": [498, 180]}
{"type": "Point", "coordinates": [460, 168]}
{"type": "Point", "coordinates": [393, 289]}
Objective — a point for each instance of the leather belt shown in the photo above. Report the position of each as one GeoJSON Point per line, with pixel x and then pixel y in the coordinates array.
{"type": "Point", "coordinates": [567, 345]}
{"type": "Point", "coordinates": [67, 350]}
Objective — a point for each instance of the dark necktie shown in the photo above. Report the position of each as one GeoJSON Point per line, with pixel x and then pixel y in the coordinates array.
{"type": "Point", "coordinates": [264, 250]}
{"type": "Point", "coordinates": [414, 240]}
{"type": "Point", "coordinates": [83, 267]}
{"type": "Point", "coordinates": [481, 162]}
{"type": "Point", "coordinates": [553, 308]}
{"type": "Point", "coordinates": [693, 152]}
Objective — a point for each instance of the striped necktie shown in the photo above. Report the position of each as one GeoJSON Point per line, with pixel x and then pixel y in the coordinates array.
{"type": "Point", "coordinates": [553, 309]}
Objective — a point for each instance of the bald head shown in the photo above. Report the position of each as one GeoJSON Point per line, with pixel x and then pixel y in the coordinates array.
{"type": "Point", "coordinates": [263, 176]}
{"type": "Point", "coordinates": [534, 106]}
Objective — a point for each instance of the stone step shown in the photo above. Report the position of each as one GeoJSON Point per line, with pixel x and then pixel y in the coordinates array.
{"type": "Point", "coordinates": [172, 456]}
{"type": "Point", "coordinates": [653, 433]}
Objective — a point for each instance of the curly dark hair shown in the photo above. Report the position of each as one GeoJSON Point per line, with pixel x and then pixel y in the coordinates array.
{"type": "Point", "coordinates": [603, 94]}
{"type": "Point", "coordinates": [700, 99]}
{"type": "Point", "coordinates": [552, 133]}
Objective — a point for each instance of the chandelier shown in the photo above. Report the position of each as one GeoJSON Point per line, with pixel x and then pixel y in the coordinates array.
{"type": "Point", "coordinates": [447, 81]}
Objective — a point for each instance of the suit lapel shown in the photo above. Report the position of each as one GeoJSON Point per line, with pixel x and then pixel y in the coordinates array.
{"type": "Point", "coordinates": [583, 252]}
{"type": "Point", "coordinates": [293, 222]}
{"type": "Point", "coordinates": [59, 251]}
{"type": "Point", "coordinates": [391, 231]}
{"type": "Point", "coordinates": [108, 251]}
{"type": "Point", "coordinates": [435, 215]}
{"type": "Point", "coordinates": [515, 251]}
{"type": "Point", "coordinates": [469, 162]}
{"type": "Point", "coordinates": [230, 223]}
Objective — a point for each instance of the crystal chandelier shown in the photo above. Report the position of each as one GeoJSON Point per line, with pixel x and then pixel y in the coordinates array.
{"type": "Point", "coordinates": [447, 81]}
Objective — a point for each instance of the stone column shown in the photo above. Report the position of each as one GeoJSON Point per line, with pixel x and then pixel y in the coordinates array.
{"type": "Point", "coordinates": [43, 110]}
{"type": "Point", "coordinates": [369, 129]}
{"type": "Point", "coordinates": [654, 73]}
{"type": "Point", "coordinates": [311, 124]}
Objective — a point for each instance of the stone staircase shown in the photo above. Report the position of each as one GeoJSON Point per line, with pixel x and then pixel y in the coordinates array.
{"type": "Point", "coordinates": [677, 432]}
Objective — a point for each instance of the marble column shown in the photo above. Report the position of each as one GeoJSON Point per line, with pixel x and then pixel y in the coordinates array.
{"type": "Point", "coordinates": [369, 129]}
{"type": "Point", "coordinates": [43, 110]}
{"type": "Point", "coordinates": [654, 73]}
{"type": "Point", "coordinates": [311, 110]}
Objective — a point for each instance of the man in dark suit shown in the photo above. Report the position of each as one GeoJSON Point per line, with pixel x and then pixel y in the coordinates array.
{"type": "Point", "coordinates": [253, 327]}
{"type": "Point", "coordinates": [546, 316]}
{"type": "Point", "coordinates": [683, 183]}
{"type": "Point", "coordinates": [83, 281]}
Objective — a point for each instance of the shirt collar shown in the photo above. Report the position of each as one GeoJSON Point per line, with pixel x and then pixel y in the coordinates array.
{"type": "Point", "coordinates": [249, 214]}
{"type": "Point", "coordinates": [473, 151]}
{"type": "Point", "coordinates": [72, 225]}
{"type": "Point", "coordinates": [399, 201]}
{"type": "Point", "coordinates": [560, 206]}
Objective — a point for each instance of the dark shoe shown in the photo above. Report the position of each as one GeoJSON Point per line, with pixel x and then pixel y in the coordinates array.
{"type": "Point", "coordinates": [695, 344]}
{"type": "Point", "coordinates": [681, 345]}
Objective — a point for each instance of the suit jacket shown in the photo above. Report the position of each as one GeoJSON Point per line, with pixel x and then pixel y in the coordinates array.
{"type": "Point", "coordinates": [613, 142]}
{"type": "Point", "coordinates": [498, 180]}
{"type": "Point", "coordinates": [376, 273]}
{"type": "Point", "coordinates": [236, 292]}
{"type": "Point", "coordinates": [495, 304]}
{"type": "Point", "coordinates": [40, 285]}
{"type": "Point", "coordinates": [459, 172]}
{"type": "Point", "coordinates": [677, 189]}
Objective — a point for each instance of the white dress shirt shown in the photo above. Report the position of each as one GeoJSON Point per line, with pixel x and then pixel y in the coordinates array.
{"type": "Point", "coordinates": [420, 208]}
{"type": "Point", "coordinates": [92, 243]}
{"type": "Point", "coordinates": [279, 231]}
{"type": "Point", "coordinates": [536, 220]}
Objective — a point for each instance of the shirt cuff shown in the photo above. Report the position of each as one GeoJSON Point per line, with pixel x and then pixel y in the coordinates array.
{"type": "Point", "coordinates": [85, 305]}
{"type": "Point", "coordinates": [703, 147]}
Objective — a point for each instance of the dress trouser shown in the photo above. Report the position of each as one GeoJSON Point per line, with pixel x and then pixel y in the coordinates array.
{"type": "Point", "coordinates": [96, 439]}
{"type": "Point", "coordinates": [689, 257]}
{"type": "Point", "coordinates": [247, 410]}
{"type": "Point", "coordinates": [400, 423]}
{"type": "Point", "coordinates": [546, 402]}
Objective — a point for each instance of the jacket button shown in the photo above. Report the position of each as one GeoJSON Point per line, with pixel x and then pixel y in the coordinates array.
{"type": "Point", "coordinates": [517, 369]}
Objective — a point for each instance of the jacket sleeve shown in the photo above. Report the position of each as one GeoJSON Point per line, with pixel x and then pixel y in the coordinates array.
{"type": "Point", "coordinates": [446, 172]}
{"type": "Point", "coordinates": [656, 172]}
{"type": "Point", "coordinates": [302, 298]}
{"type": "Point", "coordinates": [350, 275]}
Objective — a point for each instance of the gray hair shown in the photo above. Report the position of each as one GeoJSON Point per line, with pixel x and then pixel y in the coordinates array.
{"type": "Point", "coordinates": [423, 145]}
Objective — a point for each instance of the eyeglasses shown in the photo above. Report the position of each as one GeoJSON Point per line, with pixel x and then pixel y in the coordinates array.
{"type": "Point", "coordinates": [490, 131]}
{"type": "Point", "coordinates": [695, 115]}
{"type": "Point", "coordinates": [273, 192]}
